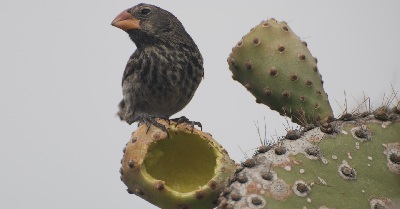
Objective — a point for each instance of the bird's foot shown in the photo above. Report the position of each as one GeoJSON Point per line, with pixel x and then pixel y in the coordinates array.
{"type": "Point", "coordinates": [184, 119]}
{"type": "Point", "coordinates": [149, 120]}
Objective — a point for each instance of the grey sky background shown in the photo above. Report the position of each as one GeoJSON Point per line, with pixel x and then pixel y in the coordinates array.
{"type": "Point", "coordinates": [60, 83]}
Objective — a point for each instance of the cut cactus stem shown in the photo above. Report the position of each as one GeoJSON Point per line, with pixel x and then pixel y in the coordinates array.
{"type": "Point", "coordinates": [278, 69]}
{"type": "Point", "coordinates": [185, 168]}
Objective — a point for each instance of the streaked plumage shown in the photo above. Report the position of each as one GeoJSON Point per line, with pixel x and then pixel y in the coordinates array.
{"type": "Point", "coordinates": [163, 73]}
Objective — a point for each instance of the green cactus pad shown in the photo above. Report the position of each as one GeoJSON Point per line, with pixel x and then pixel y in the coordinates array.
{"type": "Point", "coordinates": [184, 169]}
{"type": "Point", "coordinates": [277, 68]}
{"type": "Point", "coordinates": [358, 166]}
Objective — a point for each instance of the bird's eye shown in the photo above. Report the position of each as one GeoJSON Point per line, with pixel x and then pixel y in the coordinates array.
{"type": "Point", "coordinates": [145, 11]}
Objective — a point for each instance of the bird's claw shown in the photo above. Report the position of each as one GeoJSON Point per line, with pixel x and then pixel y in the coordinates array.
{"type": "Point", "coordinates": [184, 119]}
{"type": "Point", "coordinates": [149, 120]}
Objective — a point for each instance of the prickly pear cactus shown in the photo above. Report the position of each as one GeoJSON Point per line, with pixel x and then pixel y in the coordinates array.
{"type": "Point", "coordinates": [183, 169]}
{"type": "Point", "coordinates": [278, 69]}
{"type": "Point", "coordinates": [344, 164]}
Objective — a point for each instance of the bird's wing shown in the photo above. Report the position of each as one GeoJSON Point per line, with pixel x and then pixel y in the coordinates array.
{"type": "Point", "coordinates": [129, 68]}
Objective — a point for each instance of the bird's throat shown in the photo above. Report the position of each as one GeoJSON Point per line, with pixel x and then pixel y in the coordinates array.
{"type": "Point", "coordinates": [142, 39]}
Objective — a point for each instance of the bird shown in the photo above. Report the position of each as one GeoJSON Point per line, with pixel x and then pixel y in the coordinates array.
{"type": "Point", "coordinates": [165, 70]}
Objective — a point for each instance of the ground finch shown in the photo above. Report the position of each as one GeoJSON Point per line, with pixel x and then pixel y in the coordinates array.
{"type": "Point", "coordinates": [163, 73]}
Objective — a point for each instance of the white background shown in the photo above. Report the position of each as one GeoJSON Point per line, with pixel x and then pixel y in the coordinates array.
{"type": "Point", "coordinates": [60, 74]}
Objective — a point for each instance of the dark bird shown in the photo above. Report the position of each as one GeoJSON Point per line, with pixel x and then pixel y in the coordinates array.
{"type": "Point", "coordinates": [164, 71]}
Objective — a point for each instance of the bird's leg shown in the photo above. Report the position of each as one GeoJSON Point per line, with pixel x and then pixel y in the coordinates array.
{"type": "Point", "coordinates": [148, 120]}
{"type": "Point", "coordinates": [184, 119]}
{"type": "Point", "coordinates": [166, 118]}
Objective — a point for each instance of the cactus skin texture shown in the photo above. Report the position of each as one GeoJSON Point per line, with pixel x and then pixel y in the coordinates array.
{"type": "Point", "coordinates": [356, 165]}
{"type": "Point", "coordinates": [278, 69]}
{"type": "Point", "coordinates": [181, 170]}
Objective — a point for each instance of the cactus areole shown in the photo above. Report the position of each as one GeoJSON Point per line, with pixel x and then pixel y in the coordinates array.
{"type": "Point", "coordinates": [181, 169]}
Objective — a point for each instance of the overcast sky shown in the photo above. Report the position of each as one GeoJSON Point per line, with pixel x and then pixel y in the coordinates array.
{"type": "Point", "coordinates": [60, 83]}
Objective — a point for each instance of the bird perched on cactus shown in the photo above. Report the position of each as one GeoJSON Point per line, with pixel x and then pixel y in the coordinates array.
{"type": "Point", "coordinates": [165, 70]}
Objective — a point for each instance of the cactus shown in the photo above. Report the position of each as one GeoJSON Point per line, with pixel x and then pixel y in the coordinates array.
{"type": "Point", "coordinates": [277, 68]}
{"type": "Point", "coordinates": [184, 168]}
{"type": "Point", "coordinates": [355, 165]}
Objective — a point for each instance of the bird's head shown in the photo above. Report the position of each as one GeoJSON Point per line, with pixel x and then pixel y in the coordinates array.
{"type": "Point", "coordinates": [148, 25]}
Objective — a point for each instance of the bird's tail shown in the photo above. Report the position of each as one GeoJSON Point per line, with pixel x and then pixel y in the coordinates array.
{"type": "Point", "coordinates": [122, 110]}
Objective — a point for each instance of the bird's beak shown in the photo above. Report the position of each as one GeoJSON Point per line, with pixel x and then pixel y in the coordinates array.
{"type": "Point", "coordinates": [126, 21]}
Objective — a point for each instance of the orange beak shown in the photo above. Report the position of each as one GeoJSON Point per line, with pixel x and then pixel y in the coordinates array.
{"type": "Point", "coordinates": [126, 21]}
